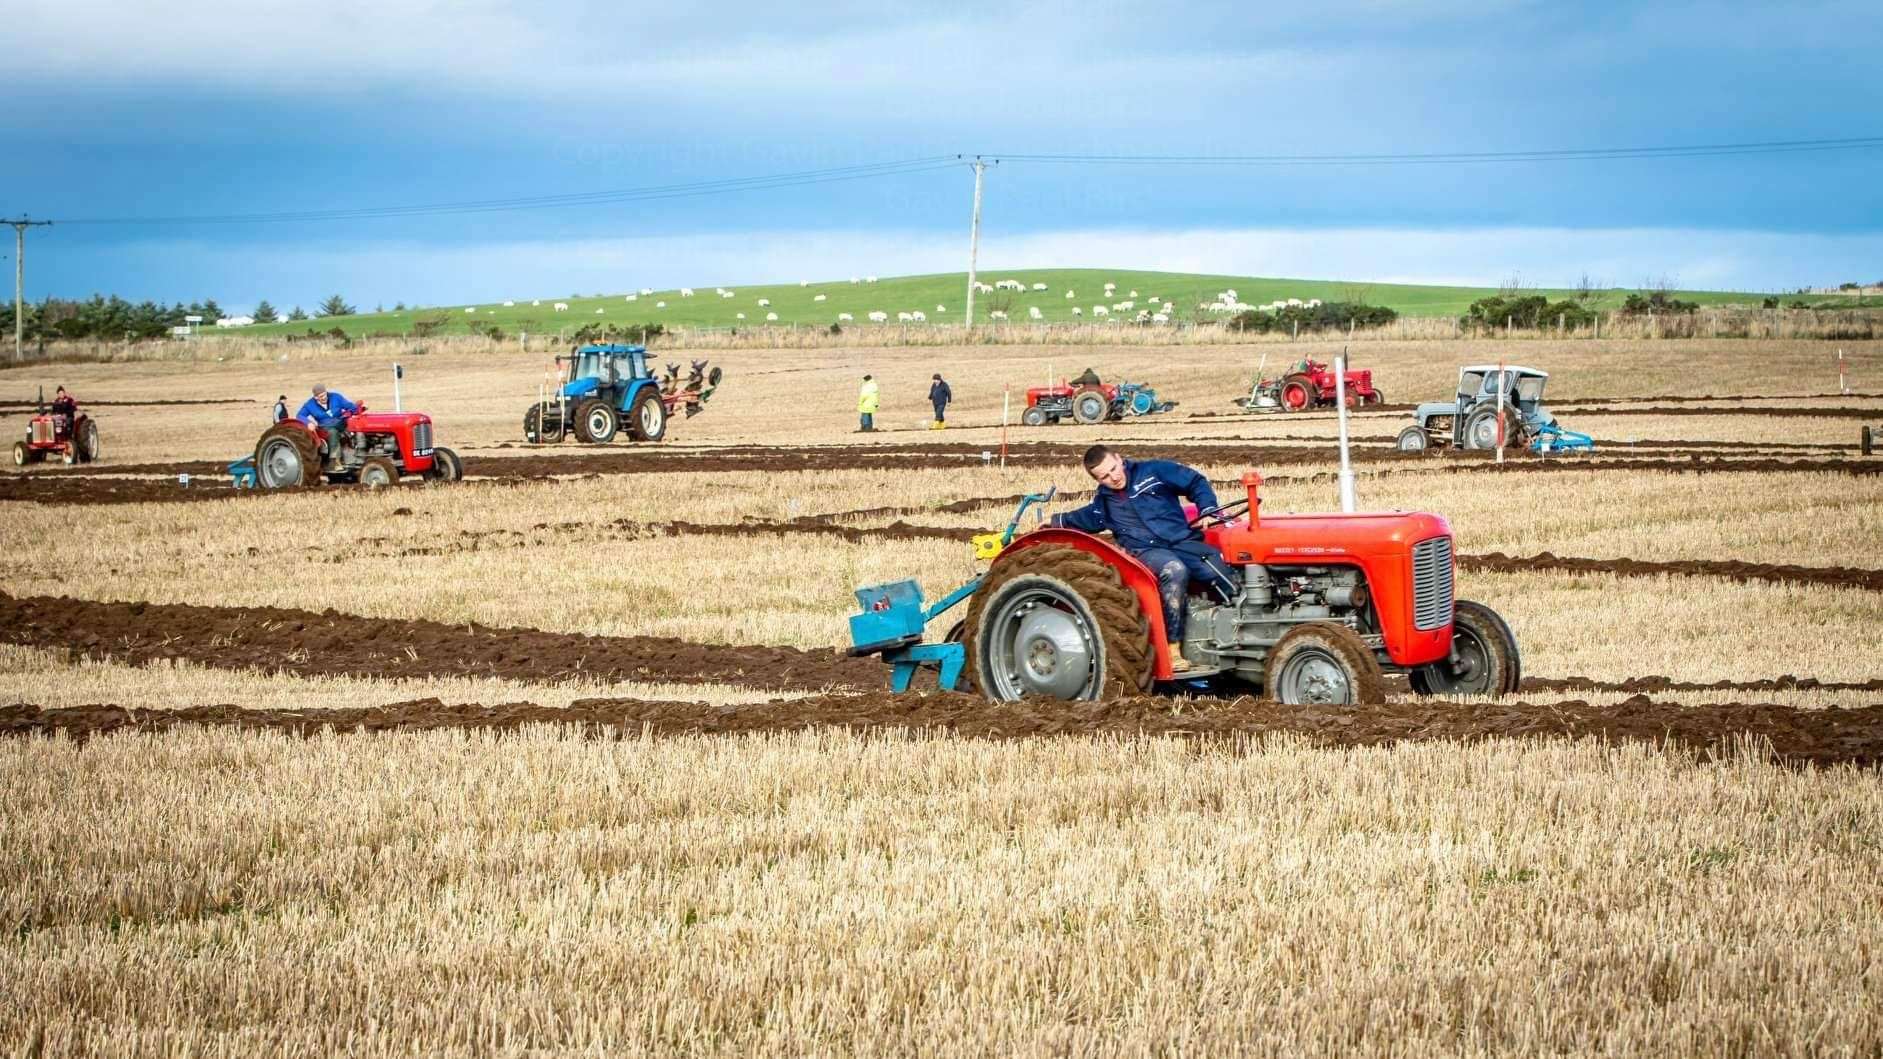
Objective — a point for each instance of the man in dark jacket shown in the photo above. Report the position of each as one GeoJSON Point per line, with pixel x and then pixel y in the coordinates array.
{"type": "Point", "coordinates": [1141, 503]}
{"type": "Point", "coordinates": [939, 395]}
{"type": "Point", "coordinates": [66, 409]}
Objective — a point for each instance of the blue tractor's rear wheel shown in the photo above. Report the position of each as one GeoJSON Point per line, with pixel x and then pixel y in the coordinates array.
{"type": "Point", "coordinates": [647, 420]}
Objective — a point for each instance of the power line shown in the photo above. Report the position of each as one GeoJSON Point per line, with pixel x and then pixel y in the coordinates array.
{"type": "Point", "coordinates": [590, 198]}
{"type": "Point", "coordinates": [1462, 157]}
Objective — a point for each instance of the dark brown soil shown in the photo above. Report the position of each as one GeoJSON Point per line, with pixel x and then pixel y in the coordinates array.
{"type": "Point", "coordinates": [330, 643]}
{"type": "Point", "coordinates": [1820, 737]}
{"type": "Point", "coordinates": [1840, 576]}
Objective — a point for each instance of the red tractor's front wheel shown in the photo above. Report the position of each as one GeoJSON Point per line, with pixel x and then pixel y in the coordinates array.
{"type": "Point", "coordinates": [1484, 659]}
{"type": "Point", "coordinates": [1323, 664]}
{"type": "Point", "coordinates": [21, 454]}
{"type": "Point", "coordinates": [1056, 622]}
{"type": "Point", "coordinates": [379, 471]}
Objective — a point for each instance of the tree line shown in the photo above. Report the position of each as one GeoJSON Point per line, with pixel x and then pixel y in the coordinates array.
{"type": "Point", "coordinates": [112, 317]}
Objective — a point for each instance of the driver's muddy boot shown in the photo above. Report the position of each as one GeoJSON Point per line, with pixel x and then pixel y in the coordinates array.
{"type": "Point", "coordinates": [1178, 663]}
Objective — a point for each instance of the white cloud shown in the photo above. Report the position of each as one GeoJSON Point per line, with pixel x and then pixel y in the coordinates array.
{"type": "Point", "coordinates": [374, 272]}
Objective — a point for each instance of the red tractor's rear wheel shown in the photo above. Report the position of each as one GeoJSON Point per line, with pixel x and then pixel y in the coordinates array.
{"type": "Point", "coordinates": [87, 441]}
{"type": "Point", "coordinates": [1323, 664]}
{"type": "Point", "coordinates": [287, 457]}
{"type": "Point", "coordinates": [1298, 393]}
{"type": "Point", "coordinates": [1090, 406]}
{"type": "Point", "coordinates": [1484, 657]}
{"type": "Point", "coordinates": [1056, 622]}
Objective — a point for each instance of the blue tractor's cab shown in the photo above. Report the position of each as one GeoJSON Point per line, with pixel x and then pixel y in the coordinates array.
{"type": "Point", "coordinates": [605, 386]}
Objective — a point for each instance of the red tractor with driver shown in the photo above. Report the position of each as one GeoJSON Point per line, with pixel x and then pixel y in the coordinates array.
{"type": "Point", "coordinates": [63, 432]}
{"type": "Point", "coordinates": [1328, 604]}
{"type": "Point", "coordinates": [373, 449]}
{"type": "Point", "coordinates": [1311, 384]}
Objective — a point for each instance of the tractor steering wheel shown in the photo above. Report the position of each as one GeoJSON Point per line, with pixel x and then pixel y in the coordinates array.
{"type": "Point", "coordinates": [1221, 512]}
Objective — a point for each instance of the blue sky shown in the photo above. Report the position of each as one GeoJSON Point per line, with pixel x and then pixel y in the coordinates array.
{"type": "Point", "coordinates": [238, 106]}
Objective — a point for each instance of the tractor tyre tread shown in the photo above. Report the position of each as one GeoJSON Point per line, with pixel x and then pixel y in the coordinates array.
{"type": "Point", "coordinates": [1125, 627]}
{"type": "Point", "coordinates": [1493, 629]}
{"type": "Point", "coordinates": [1369, 683]}
{"type": "Point", "coordinates": [632, 421]}
{"type": "Point", "coordinates": [303, 440]}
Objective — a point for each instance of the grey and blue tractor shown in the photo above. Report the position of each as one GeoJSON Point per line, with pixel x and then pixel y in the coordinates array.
{"type": "Point", "coordinates": [1471, 419]}
{"type": "Point", "coordinates": [604, 387]}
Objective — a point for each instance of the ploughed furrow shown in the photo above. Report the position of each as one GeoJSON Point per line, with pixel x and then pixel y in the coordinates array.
{"type": "Point", "coordinates": [330, 643]}
{"type": "Point", "coordinates": [1732, 570]}
{"type": "Point", "coordinates": [1822, 736]}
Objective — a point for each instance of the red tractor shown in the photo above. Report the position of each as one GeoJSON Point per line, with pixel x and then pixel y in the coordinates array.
{"type": "Point", "coordinates": [72, 436]}
{"type": "Point", "coordinates": [375, 448]}
{"type": "Point", "coordinates": [1311, 384]}
{"type": "Point", "coordinates": [1329, 603]}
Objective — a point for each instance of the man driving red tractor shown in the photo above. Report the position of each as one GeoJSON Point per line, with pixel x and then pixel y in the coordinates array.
{"type": "Point", "coordinates": [1141, 503]}
{"type": "Point", "coordinates": [327, 411]}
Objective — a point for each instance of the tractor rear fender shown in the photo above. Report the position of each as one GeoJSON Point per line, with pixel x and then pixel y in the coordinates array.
{"type": "Point", "coordinates": [1135, 574]}
{"type": "Point", "coordinates": [631, 390]}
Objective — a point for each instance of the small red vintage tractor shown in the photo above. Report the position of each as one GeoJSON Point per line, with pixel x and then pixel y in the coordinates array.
{"type": "Point", "coordinates": [72, 439]}
{"type": "Point", "coordinates": [1328, 604]}
{"type": "Point", "coordinates": [1310, 384]}
{"type": "Point", "coordinates": [375, 449]}
{"type": "Point", "coordinates": [1091, 402]}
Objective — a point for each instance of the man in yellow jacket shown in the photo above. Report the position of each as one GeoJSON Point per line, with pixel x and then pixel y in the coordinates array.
{"type": "Point", "coordinates": [866, 403]}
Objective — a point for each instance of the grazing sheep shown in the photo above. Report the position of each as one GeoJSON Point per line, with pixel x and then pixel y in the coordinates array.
{"type": "Point", "coordinates": [470, 308]}
{"type": "Point", "coordinates": [771, 316]}
{"type": "Point", "coordinates": [1229, 295]}
{"type": "Point", "coordinates": [508, 304]}
{"type": "Point", "coordinates": [879, 317]}
{"type": "Point", "coordinates": [904, 318]}
{"type": "Point", "coordinates": [804, 283]}
{"type": "Point", "coordinates": [996, 315]}
{"type": "Point", "coordinates": [631, 298]}
{"type": "Point", "coordinates": [845, 318]}
{"type": "Point", "coordinates": [982, 288]}
{"type": "Point", "coordinates": [1070, 295]}
{"type": "Point", "coordinates": [562, 307]}
{"type": "Point", "coordinates": [1039, 286]}
{"type": "Point", "coordinates": [660, 305]}
{"type": "Point", "coordinates": [539, 301]}
{"type": "Point", "coordinates": [1100, 310]}
{"type": "Point", "coordinates": [853, 279]}
{"type": "Point", "coordinates": [1034, 312]}
{"type": "Point", "coordinates": [725, 294]}
{"type": "Point", "coordinates": [763, 302]}
{"type": "Point", "coordinates": [941, 308]}
{"type": "Point", "coordinates": [869, 279]}
{"type": "Point", "coordinates": [1134, 294]}
{"type": "Point", "coordinates": [686, 292]}
{"type": "Point", "coordinates": [738, 316]}
{"type": "Point", "coordinates": [1076, 311]}
{"type": "Point", "coordinates": [1144, 316]}
{"type": "Point", "coordinates": [817, 297]}
{"type": "Point", "coordinates": [645, 291]}
{"type": "Point", "coordinates": [919, 316]}
{"type": "Point", "coordinates": [1159, 318]}
{"type": "Point", "coordinates": [599, 312]}
{"type": "Point", "coordinates": [1294, 303]}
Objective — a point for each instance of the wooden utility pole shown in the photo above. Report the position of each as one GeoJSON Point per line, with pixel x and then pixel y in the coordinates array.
{"type": "Point", "coordinates": [19, 279]}
{"type": "Point", "coordinates": [974, 238]}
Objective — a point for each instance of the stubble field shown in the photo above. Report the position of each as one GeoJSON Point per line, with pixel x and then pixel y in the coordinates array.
{"type": "Point", "coordinates": [563, 758]}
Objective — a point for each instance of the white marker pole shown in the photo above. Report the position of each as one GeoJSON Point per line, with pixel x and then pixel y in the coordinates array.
{"type": "Point", "coordinates": [397, 374]}
{"type": "Point", "coordinates": [1340, 402]}
{"type": "Point", "coordinates": [1843, 386]}
{"type": "Point", "coordinates": [1006, 404]}
{"type": "Point", "coordinates": [1502, 381]}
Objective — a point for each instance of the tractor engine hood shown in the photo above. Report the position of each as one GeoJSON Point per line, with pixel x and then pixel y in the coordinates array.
{"type": "Point", "coordinates": [1297, 540]}
{"type": "Point", "coordinates": [384, 422]}
{"type": "Point", "coordinates": [1427, 409]}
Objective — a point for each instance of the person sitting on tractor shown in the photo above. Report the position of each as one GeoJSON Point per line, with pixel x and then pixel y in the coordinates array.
{"type": "Point", "coordinates": [1140, 502]}
{"type": "Point", "coordinates": [326, 411]}
{"type": "Point", "coordinates": [1088, 377]}
{"type": "Point", "coordinates": [65, 410]}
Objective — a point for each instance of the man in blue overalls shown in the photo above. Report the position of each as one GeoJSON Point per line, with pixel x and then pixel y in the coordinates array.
{"type": "Point", "coordinates": [327, 411]}
{"type": "Point", "coordinates": [1141, 503]}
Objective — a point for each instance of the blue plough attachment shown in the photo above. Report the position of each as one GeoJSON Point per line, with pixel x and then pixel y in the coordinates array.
{"type": "Point", "coordinates": [893, 618]}
{"type": "Point", "coordinates": [1551, 438]}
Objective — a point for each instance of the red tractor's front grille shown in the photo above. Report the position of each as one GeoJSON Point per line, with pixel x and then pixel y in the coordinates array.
{"type": "Point", "coordinates": [1431, 583]}
{"type": "Point", "coordinates": [42, 431]}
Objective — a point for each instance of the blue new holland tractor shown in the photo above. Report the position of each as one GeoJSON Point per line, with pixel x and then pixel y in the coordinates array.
{"type": "Point", "coordinates": [603, 387]}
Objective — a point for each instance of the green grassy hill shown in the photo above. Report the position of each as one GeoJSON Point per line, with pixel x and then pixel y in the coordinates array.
{"type": "Point", "coordinates": [798, 305]}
